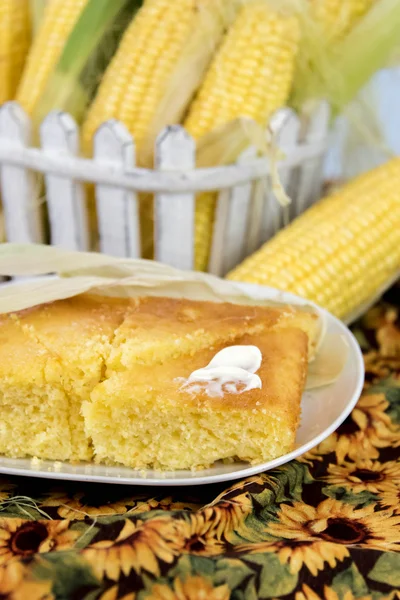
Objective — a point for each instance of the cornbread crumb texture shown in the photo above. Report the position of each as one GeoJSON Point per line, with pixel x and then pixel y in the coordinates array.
{"type": "Point", "coordinates": [55, 357]}
{"type": "Point", "coordinates": [78, 332]}
{"type": "Point", "coordinates": [142, 417]}
{"type": "Point", "coordinates": [63, 347]}
{"type": "Point", "coordinates": [34, 407]}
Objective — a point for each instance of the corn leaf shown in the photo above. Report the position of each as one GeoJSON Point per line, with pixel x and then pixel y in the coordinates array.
{"type": "Point", "coordinates": [41, 260]}
{"type": "Point", "coordinates": [85, 56]}
{"type": "Point", "coordinates": [338, 71]}
{"type": "Point", "coordinates": [367, 49]}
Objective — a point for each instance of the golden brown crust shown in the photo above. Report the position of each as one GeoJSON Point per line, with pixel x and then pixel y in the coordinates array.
{"type": "Point", "coordinates": [117, 331]}
{"type": "Point", "coordinates": [283, 371]}
{"type": "Point", "coordinates": [143, 417]}
{"type": "Point", "coordinates": [74, 351]}
{"type": "Point", "coordinates": [20, 358]}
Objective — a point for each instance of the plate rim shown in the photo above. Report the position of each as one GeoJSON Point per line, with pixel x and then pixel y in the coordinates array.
{"type": "Point", "coordinates": [192, 480]}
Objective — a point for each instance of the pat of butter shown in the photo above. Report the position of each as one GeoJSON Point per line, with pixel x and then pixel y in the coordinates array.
{"type": "Point", "coordinates": [232, 369]}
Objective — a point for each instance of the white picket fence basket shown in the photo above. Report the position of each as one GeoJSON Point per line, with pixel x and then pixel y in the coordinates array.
{"type": "Point", "coordinates": [247, 212]}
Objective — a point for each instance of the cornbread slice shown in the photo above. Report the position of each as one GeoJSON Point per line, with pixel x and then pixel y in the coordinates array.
{"type": "Point", "coordinates": [62, 351]}
{"type": "Point", "coordinates": [77, 334]}
{"type": "Point", "coordinates": [34, 408]}
{"type": "Point", "coordinates": [157, 329]}
{"type": "Point", "coordinates": [143, 417]}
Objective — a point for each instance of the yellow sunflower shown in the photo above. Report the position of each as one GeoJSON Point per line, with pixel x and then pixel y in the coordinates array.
{"type": "Point", "coordinates": [10, 576]}
{"type": "Point", "coordinates": [379, 367]}
{"type": "Point", "coordinates": [296, 553]}
{"type": "Point", "coordinates": [20, 539]}
{"type": "Point", "coordinates": [243, 484]}
{"type": "Point", "coordinates": [200, 536]}
{"type": "Point", "coordinates": [311, 456]}
{"type": "Point", "coordinates": [5, 489]}
{"type": "Point", "coordinates": [388, 335]}
{"type": "Point", "coordinates": [368, 428]}
{"type": "Point", "coordinates": [167, 504]}
{"type": "Point", "coordinates": [228, 516]}
{"type": "Point", "coordinates": [339, 523]}
{"type": "Point", "coordinates": [192, 588]}
{"type": "Point", "coordinates": [390, 499]}
{"type": "Point", "coordinates": [393, 595]}
{"type": "Point", "coordinates": [139, 546]}
{"type": "Point", "coordinates": [77, 507]}
{"type": "Point", "coordinates": [206, 532]}
{"type": "Point", "coordinates": [14, 585]}
{"type": "Point", "coordinates": [307, 593]}
{"type": "Point", "coordinates": [366, 474]}
{"type": "Point", "coordinates": [112, 594]}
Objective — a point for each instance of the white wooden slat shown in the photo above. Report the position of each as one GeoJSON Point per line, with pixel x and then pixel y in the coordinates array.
{"type": "Point", "coordinates": [287, 129]}
{"type": "Point", "coordinates": [253, 239]}
{"type": "Point", "coordinates": [117, 208]}
{"type": "Point", "coordinates": [175, 212]}
{"type": "Point", "coordinates": [231, 223]}
{"type": "Point", "coordinates": [321, 134]}
{"type": "Point", "coordinates": [65, 197]}
{"type": "Point", "coordinates": [147, 180]}
{"type": "Point", "coordinates": [310, 173]}
{"type": "Point", "coordinates": [22, 210]}
{"type": "Point", "coordinates": [217, 252]}
{"type": "Point", "coordinates": [271, 217]}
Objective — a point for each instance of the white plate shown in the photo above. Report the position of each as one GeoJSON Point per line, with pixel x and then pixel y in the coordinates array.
{"type": "Point", "coordinates": [323, 410]}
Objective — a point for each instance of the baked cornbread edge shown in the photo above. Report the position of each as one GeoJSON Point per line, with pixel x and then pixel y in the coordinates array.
{"type": "Point", "coordinates": [66, 388]}
{"type": "Point", "coordinates": [143, 419]}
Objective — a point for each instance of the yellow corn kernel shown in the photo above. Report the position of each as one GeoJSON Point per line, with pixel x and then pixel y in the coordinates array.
{"type": "Point", "coordinates": [162, 55]}
{"type": "Point", "coordinates": [137, 78]}
{"type": "Point", "coordinates": [342, 251]}
{"type": "Point", "coordinates": [15, 36]}
{"type": "Point", "coordinates": [338, 17]}
{"type": "Point", "coordinates": [58, 22]}
{"type": "Point", "coordinates": [251, 76]}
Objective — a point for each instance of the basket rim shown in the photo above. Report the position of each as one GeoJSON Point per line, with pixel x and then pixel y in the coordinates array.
{"type": "Point", "coordinates": [152, 180]}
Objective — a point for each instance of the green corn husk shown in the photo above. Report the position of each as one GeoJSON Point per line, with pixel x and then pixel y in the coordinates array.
{"type": "Point", "coordinates": [85, 56]}
{"type": "Point", "coordinates": [337, 72]}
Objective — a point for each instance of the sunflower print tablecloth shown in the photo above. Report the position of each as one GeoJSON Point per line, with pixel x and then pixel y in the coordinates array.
{"type": "Point", "coordinates": [325, 527]}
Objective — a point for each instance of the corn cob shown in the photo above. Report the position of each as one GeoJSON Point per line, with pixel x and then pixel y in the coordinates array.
{"type": "Point", "coordinates": [340, 252]}
{"type": "Point", "coordinates": [153, 76]}
{"type": "Point", "coordinates": [154, 47]}
{"type": "Point", "coordinates": [58, 21]}
{"type": "Point", "coordinates": [338, 17]}
{"type": "Point", "coordinates": [15, 35]}
{"type": "Point", "coordinates": [251, 76]}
